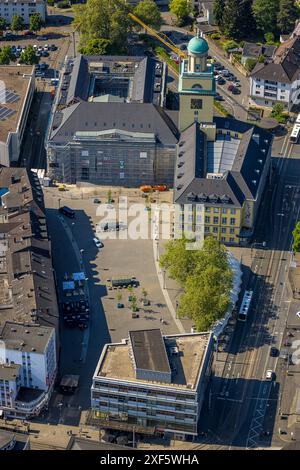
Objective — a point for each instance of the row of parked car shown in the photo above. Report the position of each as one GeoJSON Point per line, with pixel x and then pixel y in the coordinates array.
{"type": "Point", "coordinates": [222, 75]}
{"type": "Point", "coordinates": [41, 51]}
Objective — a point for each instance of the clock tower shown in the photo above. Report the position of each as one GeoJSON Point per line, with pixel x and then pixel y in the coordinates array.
{"type": "Point", "coordinates": [197, 88]}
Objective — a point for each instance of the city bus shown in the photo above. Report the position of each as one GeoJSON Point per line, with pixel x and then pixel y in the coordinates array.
{"type": "Point", "coordinates": [294, 137]}
{"type": "Point", "coordinates": [245, 305]}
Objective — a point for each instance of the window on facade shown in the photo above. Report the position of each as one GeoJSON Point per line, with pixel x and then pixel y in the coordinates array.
{"type": "Point", "coordinates": [215, 229]}
{"type": "Point", "coordinates": [232, 221]}
{"type": "Point", "coordinates": [216, 220]}
{"type": "Point", "coordinates": [207, 220]}
{"type": "Point", "coordinates": [231, 240]}
{"type": "Point", "coordinates": [232, 211]}
{"type": "Point", "coordinates": [223, 229]}
{"type": "Point", "coordinates": [196, 103]}
{"type": "Point", "coordinates": [206, 229]}
{"type": "Point", "coordinates": [232, 230]}
{"type": "Point", "coordinates": [224, 220]}
{"type": "Point", "coordinates": [223, 239]}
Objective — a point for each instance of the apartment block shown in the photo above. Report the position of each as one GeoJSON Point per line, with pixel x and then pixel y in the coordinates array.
{"type": "Point", "coordinates": [23, 8]}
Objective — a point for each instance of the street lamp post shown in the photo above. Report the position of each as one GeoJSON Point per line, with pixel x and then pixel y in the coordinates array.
{"type": "Point", "coordinates": [58, 202]}
{"type": "Point", "coordinates": [164, 278]}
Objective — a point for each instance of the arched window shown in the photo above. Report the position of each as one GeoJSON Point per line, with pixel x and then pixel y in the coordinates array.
{"type": "Point", "coordinates": [197, 86]}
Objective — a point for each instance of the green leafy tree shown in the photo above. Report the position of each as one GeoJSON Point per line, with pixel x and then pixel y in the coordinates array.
{"type": "Point", "coordinates": [236, 17]}
{"type": "Point", "coordinates": [205, 276]}
{"type": "Point", "coordinates": [35, 22]}
{"type": "Point", "coordinates": [261, 59]}
{"type": "Point", "coordinates": [296, 235]}
{"type": "Point", "coordinates": [218, 11]}
{"type": "Point", "coordinates": [6, 55]}
{"type": "Point", "coordinates": [179, 261]}
{"type": "Point", "coordinates": [206, 298]}
{"type": "Point", "coordinates": [29, 56]}
{"type": "Point", "coordinates": [250, 64]}
{"type": "Point", "coordinates": [287, 16]}
{"type": "Point", "coordinates": [97, 47]}
{"type": "Point", "coordinates": [149, 13]}
{"type": "Point", "coordinates": [17, 23]}
{"type": "Point", "coordinates": [103, 19]}
{"type": "Point", "coordinates": [181, 9]}
{"type": "Point", "coordinates": [2, 24]}
{"type": "Point", "coordinates": [269, 38]}
{"type": "Point", "coordinates": [265, 13]}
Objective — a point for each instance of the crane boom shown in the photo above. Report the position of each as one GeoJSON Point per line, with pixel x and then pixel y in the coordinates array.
{"type": "Point", "coordinates": [158, 36]}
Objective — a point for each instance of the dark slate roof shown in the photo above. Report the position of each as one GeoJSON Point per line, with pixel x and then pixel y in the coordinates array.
{"type": "Point", "coordinates": [252, 49]}
{"type": "Point", "coordinates": [285, 66]}
{"type": "Point", "coordinates": [143, 77]}
{"type": "Point", "coordinates": [241, 182]}
{"type": "Point", "coordinates": [131, 117]}
{"type": "Point", "coordinates": [149, 350]}
{"type": "Point", "coordinates": [79, 80]}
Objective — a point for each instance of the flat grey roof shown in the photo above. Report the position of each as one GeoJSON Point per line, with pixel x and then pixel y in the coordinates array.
{"type": "Point", "coordinates": [149, 350]}
{"type": "Point", "coordinates": [29, 338]}
{"type": "Point", "coordinates": [9, 371]}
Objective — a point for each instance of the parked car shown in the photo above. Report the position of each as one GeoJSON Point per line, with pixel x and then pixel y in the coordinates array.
{"type": "Point", "coordinates": [97, 201]}
{"type": "Point", "coordinates": [98, 242]}
{"type": "Point", "coordinates": [236, 91]}
{"type": "Point", "coordinates": [230, 88]}
{"type": "Point", "coordinates": [237, 84]}
{"type": "Point", "coordinates": [221, 81]}
{"type": "Point", "coordinates": [274, 352]}
{"type": "Point", "coordinates": [269, 375]}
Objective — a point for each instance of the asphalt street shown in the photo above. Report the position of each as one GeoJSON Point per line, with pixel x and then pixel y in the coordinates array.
{"type": "Point", "coordinates": [241, 406]}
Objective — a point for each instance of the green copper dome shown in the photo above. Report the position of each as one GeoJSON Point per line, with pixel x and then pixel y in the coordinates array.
{"type": "Point", "coordinates": [198, 45]}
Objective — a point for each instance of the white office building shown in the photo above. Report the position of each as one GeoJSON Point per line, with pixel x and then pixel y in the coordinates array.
{"type": "Point", "coordinates": [28, 367]}
{"type": "Point", "coordinates": [23, 8]}
{"type": "Point", "coordinates": [152, 383]}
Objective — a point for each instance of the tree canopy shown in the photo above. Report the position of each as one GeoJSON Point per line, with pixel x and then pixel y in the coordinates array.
{"type": "Point", "coordinates": [149, 13]}
{"type": "Point", "coordinates": [17, 23]}
{"type": "Point", "coordinates": [103, 19]}
{"type": "Point", "coordinates": [296, 235]}
{"type": "Point", "coordinates": [2, 23]}
{"type": "Point", "coordinates": [97, 46]}
{"type": "Point", "coordinates": [265, 13]}
{"type": "Point", "coordinates": [181, 9]}
{"type": "Point", "coordinates": [287, 15]}
{"type": "Point", "coordinates": [29, 56]}
{"type": "Point", "coordinates": [6, 55]}
{"type": "Point", "coordinates": [35, 22]}
{"type": "Point", "coordinates": [205, 276]}
{"type": "Point", "coordinates": [234, 17]}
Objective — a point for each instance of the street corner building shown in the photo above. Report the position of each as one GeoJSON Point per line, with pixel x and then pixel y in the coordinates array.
{"type": "Point", "coordinates": [17, 85]}
{"type": "Point", "coordinates": [152, 384]}
{"type": "Point", "coordinates": [28, 305]}
{"type": "Point", "coordinates": [222, 165]}
{"type": "Point", "coordinates": [109, 126]}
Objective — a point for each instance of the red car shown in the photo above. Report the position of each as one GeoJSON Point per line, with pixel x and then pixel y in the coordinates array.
{"type": "Point", "coordinates": [230, 88]}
